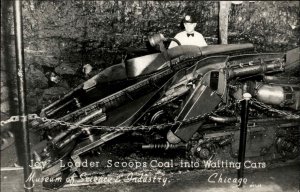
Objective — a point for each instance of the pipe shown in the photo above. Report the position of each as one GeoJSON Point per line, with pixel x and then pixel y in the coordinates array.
{"type": "Point", "coordinates": [254, 70]}
{"type": "Point", "coordinates": [207, 50]}
{"type": "Point", "coordinates": [23, 141]}
{"type": "Point", "coordinates": [150, 63]}
{"type": "Point", "coordinates": [165, 146]}
{"type": "Point", "coordinates": [76, 125]}
{"type": "Point", "coordinates": [243, 135]}
{"type": "Point", "coordinates": [281, 80]}
{"type": "Point", "coordinates": [196, 50]}
{"type": "Point", "coordinates": [220, 119]}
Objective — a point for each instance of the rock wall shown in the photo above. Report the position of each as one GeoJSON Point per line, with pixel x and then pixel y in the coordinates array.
{"type": "Point", "coordinates": [61, 36]}
{"type": "Point", "coordinates": [272, 26]}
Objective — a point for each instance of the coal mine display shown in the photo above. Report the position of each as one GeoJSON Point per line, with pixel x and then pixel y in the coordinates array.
{"type": "Point", "coordinates": [150, 96]}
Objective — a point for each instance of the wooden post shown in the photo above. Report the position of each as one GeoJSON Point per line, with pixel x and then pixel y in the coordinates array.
{"type": "Point", "coordinates": [224, 9]}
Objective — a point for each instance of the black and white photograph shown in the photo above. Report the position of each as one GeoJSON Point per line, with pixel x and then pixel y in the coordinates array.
{"type": "Point", "coordinates": [150, 95]}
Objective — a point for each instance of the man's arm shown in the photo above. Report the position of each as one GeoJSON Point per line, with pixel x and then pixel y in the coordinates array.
{"type": "Point", "coordinates": [202, 41]}
{"type": "Point", "coordinates": [173, 43]}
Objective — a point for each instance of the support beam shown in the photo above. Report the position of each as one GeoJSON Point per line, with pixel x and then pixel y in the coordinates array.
{"type": "Point", "coordinates": [23, 133]}
{"type": "Point", "coordinates": [224, 9]}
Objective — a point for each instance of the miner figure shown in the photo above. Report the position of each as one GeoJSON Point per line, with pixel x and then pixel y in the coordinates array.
{"type": "Point", "coordinates": [189, 36]}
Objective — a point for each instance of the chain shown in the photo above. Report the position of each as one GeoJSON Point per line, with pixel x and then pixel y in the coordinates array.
{"type": "Point", "coordinates": [19, 118]}
{"type": "Point", "coordinates": [114, 128]}
{"type": "Point", "coordinates": [124, 128]}
{"type": "Point", "coordinates": [156, 126]}
{"type": "Point", "coordinates": [144, 127]}
{"type": "Point", "coordinates": [271, 109]}
{"type": "Point", "coordinates": [72, 125]}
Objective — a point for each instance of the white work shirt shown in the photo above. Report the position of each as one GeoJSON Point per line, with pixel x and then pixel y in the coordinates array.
{"type": "Point", "coordinates": [182, 37]}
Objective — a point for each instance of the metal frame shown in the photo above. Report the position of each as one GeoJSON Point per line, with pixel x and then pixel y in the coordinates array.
{"type": "Point", "coordinates": [23, 142]}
